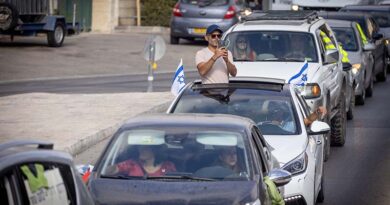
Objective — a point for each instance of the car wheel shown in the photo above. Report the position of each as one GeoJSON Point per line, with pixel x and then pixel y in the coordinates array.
{"type": "Point", "coordinates": [327, 136]}
{"type": "Point", "coordinates": [174, 40]}
{"type": "Point", "coordinates": [8, 17]}
{"type": "Point", "coordinates": [351, 105]}
{"type": "Point", "coordinates": [56, 38]}
{"type": "Point", "coordinates": [360, 99]}
{"type": "Point", "coordinates": [383, 75]}
{"type": "Point", "coordinates": [370, 89]}
{"type": "Point", "coordinates": [321, 194]}
{"type": "Point", "coordinates": [338, 124]}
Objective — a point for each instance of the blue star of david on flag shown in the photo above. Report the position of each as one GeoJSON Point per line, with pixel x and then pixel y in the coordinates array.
{"type": "Point", "coordinates": [300, 78]}
{"type": "Point", "coordinates": [178, 81]}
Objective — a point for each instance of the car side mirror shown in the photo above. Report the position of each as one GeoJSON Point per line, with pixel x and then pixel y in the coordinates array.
{"type": "Point", "coordinates": [377, 36]}
{"type": "Point", "coordinates": [318, 128]}
{"type": "Point", "coordinates": [369, 47]}
{"type": "Point", "coordinates": [331, 56]}
{"type": "Point", "coordinates": [280, 177]}
{"type": "Point", "coordinates": [347, 66]}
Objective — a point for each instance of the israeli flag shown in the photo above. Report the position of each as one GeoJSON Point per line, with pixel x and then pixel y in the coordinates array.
{"type": "Point", "coordinates": [178, 80]}
{"type": "Point", "coordinates": [300, 78]}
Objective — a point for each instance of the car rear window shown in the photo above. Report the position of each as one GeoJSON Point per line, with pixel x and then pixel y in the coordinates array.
{"type": "Point", "coordinates": [206, 2]}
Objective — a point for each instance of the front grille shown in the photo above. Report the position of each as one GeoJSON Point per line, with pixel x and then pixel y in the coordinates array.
{"type": "Point", "coordinates": [295, 200]}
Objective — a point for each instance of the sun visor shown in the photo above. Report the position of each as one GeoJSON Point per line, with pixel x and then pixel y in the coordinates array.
{"type": "Point", "coordinates": [217, 138]}
{"type": "Point", "coordinates": [145, 137]}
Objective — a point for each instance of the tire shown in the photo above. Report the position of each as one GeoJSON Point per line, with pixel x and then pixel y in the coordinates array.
{"type": "Point", "coordinates": [370, 89]}
{"type": "Point", "coordinates": [351, 105]}
{"type": "Point", "coordinates": [10, 17]}
{"type": "Point", "coordinates": [174, 40]}
{"type": "Point", "coordinates": [56, 38]}
{"type": "Point", "coordinates": [338, 124]}
{"type": "Point", "coordinates": [360, 99]}
{"type": "Point", "coordinates": [327, 137]}
{"type": "Point", "coordinates": [321, 194]}
{"type": "Point", "coordinates": [383, 75]}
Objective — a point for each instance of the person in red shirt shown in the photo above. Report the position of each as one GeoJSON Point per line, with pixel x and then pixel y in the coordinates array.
{"type": "Point", "coordinates": [148, 163]}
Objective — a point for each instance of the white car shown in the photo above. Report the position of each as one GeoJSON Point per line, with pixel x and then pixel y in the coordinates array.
{"type": "Point", "coordinates": [298, 149]}
{"type": "Point", "coordinates": [289, 45]}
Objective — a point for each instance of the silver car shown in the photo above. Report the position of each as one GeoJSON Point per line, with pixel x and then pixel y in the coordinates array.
{"type": "Point", "coordinates": [190, 18]}
{"type": "Point", "coordinates": [360, 57]}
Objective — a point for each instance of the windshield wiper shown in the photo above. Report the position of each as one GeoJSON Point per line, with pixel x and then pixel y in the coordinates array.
{"type": "Point", "coordinates": [284, 59]}
{"type": "Point", "coordinates": [120, 177]}
{"type": "Point", "coordinates": [180, 177]}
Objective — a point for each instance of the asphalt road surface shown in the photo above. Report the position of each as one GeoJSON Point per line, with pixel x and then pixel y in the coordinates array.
{"type": "Point", "coordinates": [359, 172]}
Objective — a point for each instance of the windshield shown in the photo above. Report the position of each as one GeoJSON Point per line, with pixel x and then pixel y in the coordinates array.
{"type": "Point", "coordinates": [271, 46]}
{"type": "Point", "coordinates": [177, 153]}
{"type": "Point", "coordinates": [206, 2]}
{"type": "Point", "coordinates": [382, 18]}
{"type": "Point", "coordinates": [272, 112]}
{"type": "Point", "coordinates": [347, 38]}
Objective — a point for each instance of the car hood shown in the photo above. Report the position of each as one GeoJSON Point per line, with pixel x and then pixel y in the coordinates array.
{"type": "Point", "coordinates": [152, 192]}
{"type": "Point", "coordinates": [281, 70]}
{"type": "Point", "coordinates": [286, 147]}
{"type": "Point", "coordinates": [354, 57]}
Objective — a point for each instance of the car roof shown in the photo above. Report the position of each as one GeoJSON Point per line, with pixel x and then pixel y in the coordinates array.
{"type": "Point", "coordinates": [339, 23]}
{"type": "Point", "coordinates": [23, 151]}
{"type": "Point", "coordinates": [367, 7]}
{"type": "Point", "coordinates": [190, 120]}
{"type": "Point", "coordinates": [285, 21]}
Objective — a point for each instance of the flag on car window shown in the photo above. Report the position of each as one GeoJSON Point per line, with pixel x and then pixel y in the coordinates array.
{"type": "Point", "coordinates": [178, 79]}
{"type": "Point", "coordinates": [301, 77]}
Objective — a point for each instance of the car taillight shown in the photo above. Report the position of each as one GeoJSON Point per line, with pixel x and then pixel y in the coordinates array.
{"type": "Point", "coordinates": [231, 12]}
{"type": "Point", "coordinates": [176, 10]}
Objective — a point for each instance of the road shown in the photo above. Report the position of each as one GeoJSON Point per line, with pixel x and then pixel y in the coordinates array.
{"type": "Point", "coordinates": [359, 172]}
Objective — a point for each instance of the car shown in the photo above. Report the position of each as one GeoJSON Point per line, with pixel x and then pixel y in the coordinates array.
{"type": "Point", "coordinates": [190, 18]}
{"type": "Point", "coordinates": [381, 14]}
{"type": "Point", "coordinates": [328, 5]}
{"type": "Point", "coordinates": [370, 29]}
{"type": "Point", "coordinates": [189, 153]}
{"type": "Point", "coordinates": [31, 172]}
{"type": "Point", "coordinates": [360, 57]}
{"type": "Point", "coordinates": [322, 72]}
{"type": "Point", "coordinates": [299, 149]}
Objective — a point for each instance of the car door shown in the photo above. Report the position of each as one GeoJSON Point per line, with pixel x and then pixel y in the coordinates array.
{"type": "Point", "coordinates": [316, 143]}
{"type": "Point", "coordinates": [367, 59]}
{"type": "Point", "coordinates": [372, 29]}
{"type": "Point", "coordinates": [332, 72]}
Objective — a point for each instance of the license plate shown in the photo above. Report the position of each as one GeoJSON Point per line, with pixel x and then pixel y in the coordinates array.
{"type": "Point", "coordinates": [199, 30]}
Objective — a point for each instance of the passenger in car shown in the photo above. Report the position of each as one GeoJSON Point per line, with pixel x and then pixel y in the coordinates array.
{"type": "Point", "coordinates": [228, 158]}
{"type": "Point", "coordinates": [149, 163]}
{"type": "Point", "coordinates": [300, 48]}
{"type": "Point", "coordinates": [243, 51]}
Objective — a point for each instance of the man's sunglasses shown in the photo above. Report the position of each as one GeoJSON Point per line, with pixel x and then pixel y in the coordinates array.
{"type": "Point", "coordinates": [216, 35]}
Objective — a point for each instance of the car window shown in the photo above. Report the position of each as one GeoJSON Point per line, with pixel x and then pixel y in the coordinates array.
{"type": "Point", "coordinates": [206, 2]}
{"type": "Point", "coordinates": [43, 183]}
{"type": "Point", "coordinates": [381, 18]}
{"type": "Point", "coordinates": [347, 38]}
{"type": "Point", "coordinates": [262, 150]}
{"type": "Point", "coordinates": [272, 46]}
{"type": "Point", "coordinates": [218, 154]}
{"type": "Point", "coordinates": [370, 28]}
{"type": "Point", "coordinates": [272, 112]}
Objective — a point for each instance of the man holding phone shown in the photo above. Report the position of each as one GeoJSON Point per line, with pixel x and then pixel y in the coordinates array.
{"type": "Point", "coordinates": [214, 62]}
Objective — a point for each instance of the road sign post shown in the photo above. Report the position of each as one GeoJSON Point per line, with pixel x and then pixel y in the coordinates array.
{"type": "Point", "coordinates": [154, 50]}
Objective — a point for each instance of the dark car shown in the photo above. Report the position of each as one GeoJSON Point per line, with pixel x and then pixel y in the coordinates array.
{"type": "Point", "coordinates": [190, 18]}
{"type": "Point", "coordinates": [188, 155]}
{"type": "Point", "coordinates": [32, 173]}
{"type": "Point", "coordinates": [381, 14]}
{"type": "Point", "coordinates": [371, 30]}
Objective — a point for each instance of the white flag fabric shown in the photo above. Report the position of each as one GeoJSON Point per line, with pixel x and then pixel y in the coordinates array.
{"type": "Point", "coordinates": [301, 77]}
{"type": "Point", "coordinates": [178, 79]}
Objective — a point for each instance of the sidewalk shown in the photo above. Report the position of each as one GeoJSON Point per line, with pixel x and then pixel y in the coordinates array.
{"type": "Point", "coordinates": [73, 122]}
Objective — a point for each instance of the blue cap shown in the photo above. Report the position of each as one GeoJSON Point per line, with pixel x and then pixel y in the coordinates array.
{"type": "Point", "coordinates": [213, 28]}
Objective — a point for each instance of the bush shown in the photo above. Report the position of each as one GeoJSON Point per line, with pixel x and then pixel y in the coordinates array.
{"type": "Point", "coordinates": [156, 12]}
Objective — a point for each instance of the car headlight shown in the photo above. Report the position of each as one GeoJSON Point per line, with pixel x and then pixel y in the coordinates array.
{"type": "Point", "coordinates": [310, 90]}
{"type": "Point", "coordinates": [387, 41]}
{"type": "Point", "coordinates": [297, 165]}
{"type": "Point", "coordinates": [295, 7]}
{"type": "Point", "coordinates": [257, 202]}
{"type": "Point", "coordinates": [356, 67]}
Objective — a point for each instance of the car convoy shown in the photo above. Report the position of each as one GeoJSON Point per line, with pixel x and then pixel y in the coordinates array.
{"type": "Point", "coordinates": [257, 120]}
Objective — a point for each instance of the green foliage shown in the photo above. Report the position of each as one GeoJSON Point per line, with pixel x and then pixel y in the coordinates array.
{"type": "Point", "coordinates": [156, 12]}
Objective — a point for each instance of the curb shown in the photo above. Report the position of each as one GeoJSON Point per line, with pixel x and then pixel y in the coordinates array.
{"type": "Point", "coordinates": [91, 140]}
{"type": "Point", "coordinates": [142, 29]}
